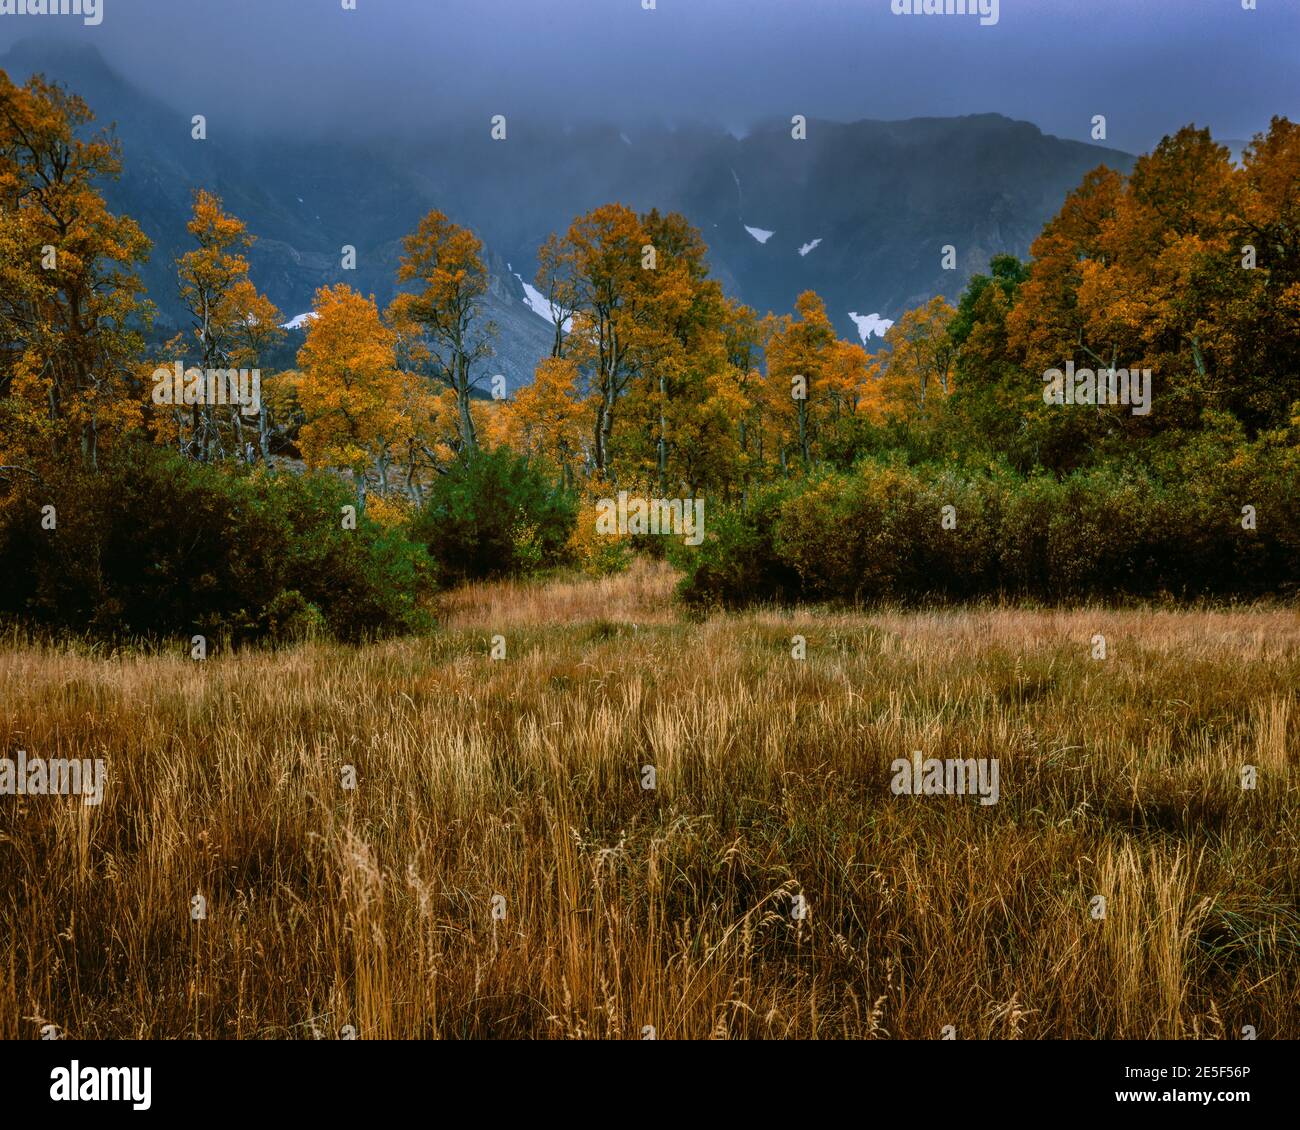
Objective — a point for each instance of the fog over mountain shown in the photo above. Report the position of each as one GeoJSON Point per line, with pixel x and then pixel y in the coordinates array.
{"type": "Point", "coordinates": [409, 67]}
{"type": "Point", "coordinates": [329, 127]}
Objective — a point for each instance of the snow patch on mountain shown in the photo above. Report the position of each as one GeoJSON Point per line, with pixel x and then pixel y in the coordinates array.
{"type": "Point", "coordinates": [809, 247]}
{"type": "Point", "coordinates": [759, 234]}
{"type": "Point", "coordinates": [869, 324]}
{"type": "Point", "coordinates": [536, 301]}
{"type": "Point", "coordinates": [300, 322]}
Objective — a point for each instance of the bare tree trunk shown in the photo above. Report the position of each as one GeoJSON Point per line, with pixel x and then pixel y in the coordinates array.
{"type": "Point", "coordinates": [663, 436]}
{"type": "Point", "coordinates": [598, 437]}
{"type": "Point", "coordinates": [468, 438]}
{"type": "Point", "coordinates": [607, 430]}
{"type": "Point", "coordinates": [413, 489]}
{"type": "Point", "coordinates": [239, 434]}
{"type": "Point", "coordinates": [263, 436]}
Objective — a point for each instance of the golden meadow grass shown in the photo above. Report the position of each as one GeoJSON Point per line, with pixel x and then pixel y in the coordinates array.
{"type": "Point", "coordinates": [626, 908]}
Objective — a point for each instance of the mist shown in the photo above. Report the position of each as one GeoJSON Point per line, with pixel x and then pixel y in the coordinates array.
{"type": "Point", "coordinates": [400, 68]}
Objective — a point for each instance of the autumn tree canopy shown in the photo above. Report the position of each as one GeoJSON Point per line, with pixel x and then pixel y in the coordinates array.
{"type": "Point", "coordinates": [1188, 266]}
{"type": "Point", "coordinates": [72, 308]}
{"type": "Point", "coordinates": [442, 323]}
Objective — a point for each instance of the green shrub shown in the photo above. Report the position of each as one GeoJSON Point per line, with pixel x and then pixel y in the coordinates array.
{"type": "Point", "coordinates": [153, 545]}
{"type": "Point", "coordinates": [495, 514]}
{"type": "Point", "coordinates": [876, 534]}
{"type": "Point", "coordinates": [737, 562]}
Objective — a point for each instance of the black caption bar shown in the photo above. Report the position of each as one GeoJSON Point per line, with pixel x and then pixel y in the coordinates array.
{"type": "Point", "coordinates": [342, 1077]}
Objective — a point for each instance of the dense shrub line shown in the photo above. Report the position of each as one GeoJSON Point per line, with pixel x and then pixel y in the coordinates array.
{"type": "Point", "coordinates": [875, 533]}
{"type": "Point", "coordinates": [154, 545]}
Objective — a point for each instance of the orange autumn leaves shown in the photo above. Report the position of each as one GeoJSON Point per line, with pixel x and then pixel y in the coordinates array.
{"type": "Point", "coordinates": [655, 375]}
{"type": "Point", "coordinates": [659, 377]}
{"type": "Point", "coordinates": [362, 411]}
{"type": "Point", "coordinates": [71, 304]}
{"type": "Point", "coordinates": [349, 390]}
{"type": "Point", "coordinates": [232, 326]}
{"type": "Point", "coordinates": [1187, 267]}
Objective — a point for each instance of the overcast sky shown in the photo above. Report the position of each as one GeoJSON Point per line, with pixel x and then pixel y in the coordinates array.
{"type": "Point", "coordinates": [306, 65]}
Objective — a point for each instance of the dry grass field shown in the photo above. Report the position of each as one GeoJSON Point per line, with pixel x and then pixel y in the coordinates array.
{"type": "Point", "coordinates": [623, 907]}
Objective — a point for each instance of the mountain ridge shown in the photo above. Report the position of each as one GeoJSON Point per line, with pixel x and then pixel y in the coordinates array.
{"type": "Point", "coordinates": [859, 211]}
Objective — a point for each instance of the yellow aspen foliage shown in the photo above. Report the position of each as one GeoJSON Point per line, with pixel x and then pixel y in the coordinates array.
{"type": "Point", "coordinates": [446, 260]}
{"type": "Point", "coordinates": [548, 418]}
{"type": "Point", "coordinates": [917, 360]}
{"type": "Point", "coordinates": [71, 304]}
{"type": "Point", "coordinates": [350, 390]}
